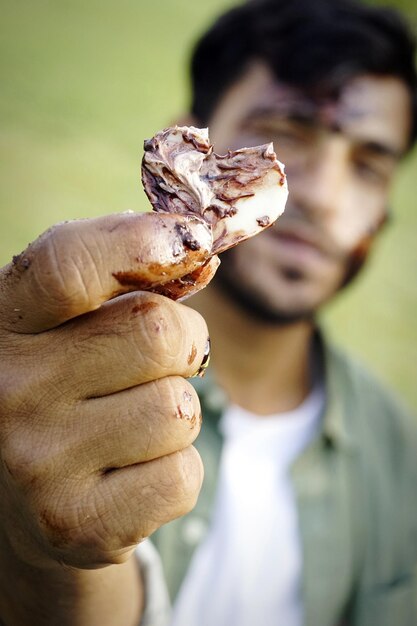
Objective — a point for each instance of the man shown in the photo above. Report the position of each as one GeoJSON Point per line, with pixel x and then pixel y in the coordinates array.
{"type": "Point", "coordinates": [314, 516]}
{"type": "Point", "coordinates": [302, 525]}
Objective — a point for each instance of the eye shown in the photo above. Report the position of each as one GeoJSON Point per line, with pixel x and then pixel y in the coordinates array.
{"type": "Point", "coordinates": [371, 170]}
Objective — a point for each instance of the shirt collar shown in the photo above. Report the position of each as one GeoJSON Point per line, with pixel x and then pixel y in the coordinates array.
{"type": "Point", "coordinates": [339, 402]}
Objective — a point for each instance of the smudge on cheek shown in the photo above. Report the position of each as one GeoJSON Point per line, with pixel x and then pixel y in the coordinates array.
{"type": "Point", "coordinates": [357, 257]}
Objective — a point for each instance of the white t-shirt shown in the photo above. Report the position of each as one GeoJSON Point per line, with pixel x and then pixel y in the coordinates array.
{"type": "Point", "coordinates": [247, 571]}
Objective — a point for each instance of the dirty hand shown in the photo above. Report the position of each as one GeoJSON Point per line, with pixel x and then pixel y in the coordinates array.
{"type": "Point", "coordinates": [96, 417]}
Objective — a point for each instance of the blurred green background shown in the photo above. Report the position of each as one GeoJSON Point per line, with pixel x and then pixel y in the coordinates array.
{"type": "Point", "coordinates": [83, 82]}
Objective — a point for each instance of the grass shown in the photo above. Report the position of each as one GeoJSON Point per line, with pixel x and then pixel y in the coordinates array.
{"type": "Point", "coordinates": [84, 82]}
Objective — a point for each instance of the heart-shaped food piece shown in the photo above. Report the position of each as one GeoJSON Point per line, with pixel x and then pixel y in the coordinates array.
{"type": "Point", "coordinates": [209, 203]}
{"type": "Point", "coordinates": [237, 194]}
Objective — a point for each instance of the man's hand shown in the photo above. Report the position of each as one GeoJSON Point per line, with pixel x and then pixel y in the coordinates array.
{"type": "Point", "coordinates": [96, 417]}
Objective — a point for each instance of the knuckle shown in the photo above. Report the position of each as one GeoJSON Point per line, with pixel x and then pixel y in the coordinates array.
{"type": "Point", "coordinates": [181, 402]}
{"type": "Point", "coordinates": [28, 395]}
{"type": "Point", "coordinates": [21, 460]}
{"type": "Point", "coordinates": [176, 414]}
{"type": "Point", "coordinates": [10, 395]}
{"type": "Point", "coordinates": [31, 458]}
{"type": "Point", "coordinates": [198, 336]}
{"type": "Point", "coordinates": [160, 333]}
{"type": "Point", "coordinates": [196, 319]}
{"type": "Point", "coordinates": [182, 481]}
{"type": "Point", "coordinates": [24, 440]}
{"type": "Point", "coordinates": [62, 523]}
{"type": "Point", "coordinates": [79, 528]}
{"type": "Point", "coordinates": [70, 519]}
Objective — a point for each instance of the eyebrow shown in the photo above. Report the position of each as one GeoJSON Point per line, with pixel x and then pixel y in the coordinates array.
{"type": "Point", "coordinates": [307, 116]}
{"type": "Point", "coordinates": [302, 113]}
{"type": "Point", "coordinates": [381, 149]}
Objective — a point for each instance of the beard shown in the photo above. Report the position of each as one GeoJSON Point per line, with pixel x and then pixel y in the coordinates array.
{"type": "Point", "coordinates": [263, 311]}
{"type": "Point", "coordinates": [254, 306]}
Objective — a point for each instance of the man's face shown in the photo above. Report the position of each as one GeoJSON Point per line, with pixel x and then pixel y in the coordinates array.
{"type": "Point", "coordinates": [340, 156]}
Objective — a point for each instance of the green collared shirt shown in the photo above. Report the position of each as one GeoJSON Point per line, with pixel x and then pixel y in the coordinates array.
{"type": "Point", "coordinates": [356, 494]}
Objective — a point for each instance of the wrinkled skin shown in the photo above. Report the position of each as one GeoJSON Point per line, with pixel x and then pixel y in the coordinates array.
{"type": "Point", "coordinates": [96, 418]}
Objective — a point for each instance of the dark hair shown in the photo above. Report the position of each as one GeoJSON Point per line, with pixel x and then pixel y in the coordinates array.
{"type": "Point", "coordinates": [315, 44]}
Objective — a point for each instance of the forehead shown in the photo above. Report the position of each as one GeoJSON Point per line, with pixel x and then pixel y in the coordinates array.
{"type": "Point", "coordinates": [370, 108]}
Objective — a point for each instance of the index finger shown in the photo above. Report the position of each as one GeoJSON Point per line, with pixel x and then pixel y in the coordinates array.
{"type": "Point", "coordinates": [76, 266]}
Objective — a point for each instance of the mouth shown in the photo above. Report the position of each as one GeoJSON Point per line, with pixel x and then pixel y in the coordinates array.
{"type": "Point", "coordinates": [298, 244]}
{"type": "Point", "coordinates": [304, 240]}
{"type": "Point", "coordinates": [296, 239]}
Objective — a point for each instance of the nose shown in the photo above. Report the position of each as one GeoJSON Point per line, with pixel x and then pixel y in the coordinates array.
{"type": "Point", "coordinates": [321, 185]}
